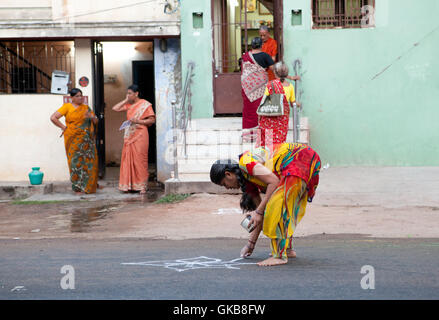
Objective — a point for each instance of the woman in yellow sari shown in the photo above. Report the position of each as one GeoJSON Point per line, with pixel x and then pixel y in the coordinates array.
{"type": "Point", "coordinates": [79, 141]}
{"type": "Point", "coordinates": [288, 174]}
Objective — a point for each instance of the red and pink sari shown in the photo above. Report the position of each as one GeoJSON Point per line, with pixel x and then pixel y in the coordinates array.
{"type": "Point", "coordinates": [274, 130]}
{"type": "Point", "coordinates": [134, 164]}
{"type": "Point", "coordinates": [253, 81]}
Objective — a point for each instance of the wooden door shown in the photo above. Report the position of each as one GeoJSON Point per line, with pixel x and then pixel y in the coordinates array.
{"type": "Point", "coordinates": [233, 27]}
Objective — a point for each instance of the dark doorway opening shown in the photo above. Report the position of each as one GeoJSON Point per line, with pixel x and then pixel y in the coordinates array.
{"type": "Point", "coordinates": [143, 76]}
{"type": "Point", "coordinates": [99, 104]}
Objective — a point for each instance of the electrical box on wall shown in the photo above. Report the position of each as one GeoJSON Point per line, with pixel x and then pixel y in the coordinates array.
{"type": "Point", "coordinates": [296, 17]}
{"type": "Point", "coordinates": [197, 20]}
{"type": "Point", "coordinates": [60, 80]}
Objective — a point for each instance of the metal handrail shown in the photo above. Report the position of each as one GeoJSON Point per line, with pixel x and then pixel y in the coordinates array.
{"type": "Point", "coordinates": [181, 117]}
{"type": "Point", "coordinates": [297, 65]}
{"type": "Point", "coordinates": [186, 104]}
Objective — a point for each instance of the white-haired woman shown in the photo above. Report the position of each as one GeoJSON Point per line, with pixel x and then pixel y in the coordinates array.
{"type": "Point", "coordinates": [274, 129]}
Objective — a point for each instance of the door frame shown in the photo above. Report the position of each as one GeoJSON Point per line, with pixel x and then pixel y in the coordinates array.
{"type": "Point", "coordinates": [98, 102]}
{"type": "Point", "coordinates": [278, 36]}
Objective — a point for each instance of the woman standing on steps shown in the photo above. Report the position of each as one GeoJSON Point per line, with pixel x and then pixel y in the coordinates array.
{"type": "Point", "coordinates": [288, 174]}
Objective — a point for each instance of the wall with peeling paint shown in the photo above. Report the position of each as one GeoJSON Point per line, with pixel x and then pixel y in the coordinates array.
{"type": "Point", "coordinates": [84, 18]}
{"type": "Point", "coordinates": [371, 94]}
{"type": "Point", "coordinates": [167, 68]}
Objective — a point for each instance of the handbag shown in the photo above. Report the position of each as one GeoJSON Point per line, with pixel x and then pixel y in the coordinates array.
{"type": "Point", "coordinates": [272, 105]}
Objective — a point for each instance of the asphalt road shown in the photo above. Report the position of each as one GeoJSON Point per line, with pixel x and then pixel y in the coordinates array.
{"type": "Point", "coordinates": [327, 267]}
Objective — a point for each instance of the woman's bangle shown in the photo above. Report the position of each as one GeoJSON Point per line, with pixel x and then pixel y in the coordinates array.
{"type": "Point", "coordinates": [260, 213]}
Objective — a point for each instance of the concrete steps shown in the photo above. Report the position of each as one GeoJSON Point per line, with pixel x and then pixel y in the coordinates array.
{"type": "Point", "coordinates": [208, 140]}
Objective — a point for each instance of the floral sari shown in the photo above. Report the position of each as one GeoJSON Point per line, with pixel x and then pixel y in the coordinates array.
{"type": "Point", "coordinates": [134, 163]}
{"type": "Point", "coordinates": [80, 145]}
{"type": "Point", "coordinates": [253, 81]}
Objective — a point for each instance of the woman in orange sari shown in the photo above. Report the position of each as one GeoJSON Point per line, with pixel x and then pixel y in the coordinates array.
{"type": "Point", "coordinates": [79, 141]}
{"type": "Point", "coordinates": [134, 163]}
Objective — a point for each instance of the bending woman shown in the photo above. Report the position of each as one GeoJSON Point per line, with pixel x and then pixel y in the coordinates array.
{"type": "Point", "coordinates": [288, 175]}
{"type": "Point", "coordinates": [79, 141]}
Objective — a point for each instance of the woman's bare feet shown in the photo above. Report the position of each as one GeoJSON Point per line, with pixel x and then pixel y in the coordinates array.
{"type": "Point", "coordinates": [291, 253]}
{"type": "Point", "coordinates": [272, 262]}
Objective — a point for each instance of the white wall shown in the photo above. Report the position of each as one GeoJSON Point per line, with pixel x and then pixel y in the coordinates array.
{"type": "Point", "coordinates": [83, 67]}
{"type": "Point", "coordinates": [110, 10]}
{"type": "Point", "coordinates": [85, 18]}
{"type": "Point", "coordinates": [29, 139]}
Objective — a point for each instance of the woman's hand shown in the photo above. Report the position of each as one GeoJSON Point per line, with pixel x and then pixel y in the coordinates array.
{"type": "Point", "coordinates": [248, 249]}
{"type": "Point", "coordinates": [146, 122]}
{"type": "Point", "coordinates": [256, 218]}
{"type": "Point", "coordinates": [91, 116]}
{"type": "Point", "coordinates": [294, 78]}
{"type": "Point", "coordinates": [246, 252]}
{"type": "Point", "coordinates": [62, 131]}
{"type": "Point", "coordinates": [119, 106]}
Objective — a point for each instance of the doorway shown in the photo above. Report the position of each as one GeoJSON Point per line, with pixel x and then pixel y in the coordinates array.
{"type": "Point", "coordinates": [235, 23]}
{"type": "Point", "coordinates": [117, 65]}
{"type": "Point", "coordinates": [143, 76]}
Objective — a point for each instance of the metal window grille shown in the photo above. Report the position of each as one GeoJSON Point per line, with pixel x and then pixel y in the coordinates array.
{"type": "Point", "coordinates": [26, 67]}
{"type": "Point", "coordinates": [225, 34]}
{"type": "Point", "coordinates": [327, 14]}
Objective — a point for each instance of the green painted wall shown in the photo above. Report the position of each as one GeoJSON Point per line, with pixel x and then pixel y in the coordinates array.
{"type": "Point", "coordinates": [360, 113]}
{"type": "Point", "coordinates": [196, 46]}
{"type": "Point", "coordinates": [357, 115]}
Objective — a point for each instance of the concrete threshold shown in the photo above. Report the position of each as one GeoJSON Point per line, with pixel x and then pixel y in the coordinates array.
{"type": "Point", "coordinates": [56, 191]}
{"type": "Point", "coordinates": [23, 189]}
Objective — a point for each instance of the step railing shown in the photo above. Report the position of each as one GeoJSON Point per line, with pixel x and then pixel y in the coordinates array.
{"type": "Point", "coordinates": [182, 115]}
{"type": "Point", "coordinates": [297, 66]}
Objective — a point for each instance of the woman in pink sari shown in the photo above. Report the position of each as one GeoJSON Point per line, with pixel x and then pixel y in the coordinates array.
{"type": "Point", "coordinates": [254, 77]}
{"type": "Point", "coordinates": [134, 164]}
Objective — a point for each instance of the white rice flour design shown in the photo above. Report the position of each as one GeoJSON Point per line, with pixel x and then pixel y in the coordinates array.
{"type": "Point", "coordinates": [193, 263]}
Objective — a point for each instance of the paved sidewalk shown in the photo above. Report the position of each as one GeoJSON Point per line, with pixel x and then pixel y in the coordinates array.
{"type": "Point", "coordinates": [390, 187]}
{"type": "Point", "coordinates": [376, 202]}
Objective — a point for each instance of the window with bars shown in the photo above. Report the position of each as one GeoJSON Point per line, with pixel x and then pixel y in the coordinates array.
{"type": "Point", "coordinates": [328, 14]}
{"type": "Point", "coordinates": [27, 66]}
